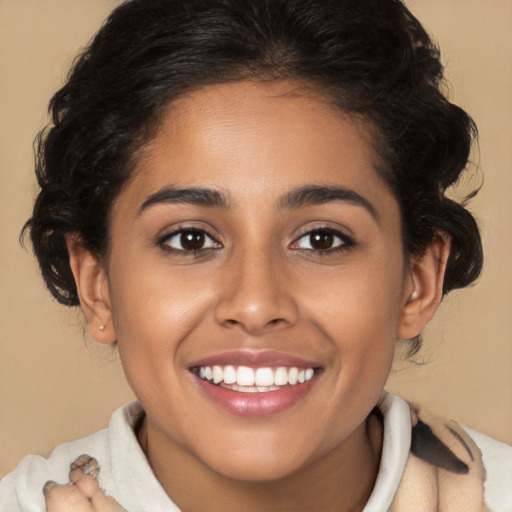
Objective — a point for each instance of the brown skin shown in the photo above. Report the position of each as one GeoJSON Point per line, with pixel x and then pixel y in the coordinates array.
{"type": "Point", "coordinates": [259, 284]}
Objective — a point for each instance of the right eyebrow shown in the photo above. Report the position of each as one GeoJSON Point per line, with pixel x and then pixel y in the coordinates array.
{"type": "Point", "coordinates": [309, 195]}
{"type": "Point", "coordinates": [198, 196]}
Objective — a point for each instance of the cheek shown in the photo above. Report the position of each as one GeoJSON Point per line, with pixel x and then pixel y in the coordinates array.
{"type": "Point", "coordinates": [153, 311]}
{"type": "Point", "coordinates": [359, 311]}
{"type": "Point", "coordinates": [362, 304]}
{"type": "Point", "coordinates": [154, 314]}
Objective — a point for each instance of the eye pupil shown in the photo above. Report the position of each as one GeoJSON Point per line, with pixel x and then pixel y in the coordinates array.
{"type": "Point", "coordinates": [192, 240]}
{"type": "Point", "coordinates": [321, 240]}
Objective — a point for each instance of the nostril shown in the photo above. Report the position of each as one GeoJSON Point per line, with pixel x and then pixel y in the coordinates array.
{"type": "Point", "coordinates": [276, 322]}
{"type": "Point", "coordinates": [255, 311]}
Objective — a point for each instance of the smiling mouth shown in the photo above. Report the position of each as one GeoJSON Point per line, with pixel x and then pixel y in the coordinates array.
{"type": "Point", "coordinates": [254, 380]}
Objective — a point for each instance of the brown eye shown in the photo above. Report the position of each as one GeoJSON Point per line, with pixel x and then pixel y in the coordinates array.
{"type": "Point", "coordinates": [192, 240]}
{"type": "Point", "coordinates": [323, 241]}
{"type": "Point", "coordinates": [189, 240]}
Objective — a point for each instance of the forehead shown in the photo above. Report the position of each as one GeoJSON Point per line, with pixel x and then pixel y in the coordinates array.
{"type": "Point", "coordinates": [244, 138]}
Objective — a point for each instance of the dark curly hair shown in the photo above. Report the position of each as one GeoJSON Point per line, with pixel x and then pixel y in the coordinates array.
{"type": "Point", "coordinates": [371, 58]}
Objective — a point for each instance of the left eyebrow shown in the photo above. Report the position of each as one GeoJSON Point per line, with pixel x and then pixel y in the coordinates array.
{"type": "Point", "coordinates": [198, 196]}
{"type": "Point", "coordinates": [310, 195]}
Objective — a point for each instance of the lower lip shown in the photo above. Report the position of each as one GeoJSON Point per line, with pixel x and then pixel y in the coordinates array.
{"type": "Point", "coordinates": [256, 405]}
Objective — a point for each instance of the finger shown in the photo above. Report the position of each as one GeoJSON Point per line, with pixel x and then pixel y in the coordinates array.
{"type": "Point", "coordinates": [87, 484]}
{"type": "Point", "coordinates": [48, 486]}
{"type": "Point", "coordinates": [84, 464]}
{"type": "Point", "coordinates": [84, 473]}
{"type": "Point", "coordinates": [103, 503]}
{"type": "Point", "coordinates": [65, 498]}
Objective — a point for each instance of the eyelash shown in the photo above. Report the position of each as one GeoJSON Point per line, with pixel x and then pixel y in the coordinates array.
{"type": "Point", "coordinates": [164, 240]}
{"type": "Point", "coordinates": [346, 242]}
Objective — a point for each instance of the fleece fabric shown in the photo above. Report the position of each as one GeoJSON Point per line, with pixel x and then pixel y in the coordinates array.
{"type": "Point", "coordinates": [428, 464]}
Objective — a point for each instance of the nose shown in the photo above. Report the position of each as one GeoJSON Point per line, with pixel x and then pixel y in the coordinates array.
{"type": "Point", "coordinates": [256, 296]}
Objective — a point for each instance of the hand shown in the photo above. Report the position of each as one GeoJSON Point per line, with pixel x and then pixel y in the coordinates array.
{"type": "Point", "coordinates": [82, 493]}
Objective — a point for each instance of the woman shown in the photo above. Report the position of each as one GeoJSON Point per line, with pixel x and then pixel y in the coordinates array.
{"type": "Point", "coordinates": [248, 199]}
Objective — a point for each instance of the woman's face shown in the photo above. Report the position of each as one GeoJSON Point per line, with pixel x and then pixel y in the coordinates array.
{"type": "Point", "coordinates": [257, 234]}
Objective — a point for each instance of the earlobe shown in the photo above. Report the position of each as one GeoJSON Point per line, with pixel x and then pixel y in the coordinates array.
{"type": "Point", "coordinates": [424, 287]}
{"type": "Point", "coordinates": [92, 286]}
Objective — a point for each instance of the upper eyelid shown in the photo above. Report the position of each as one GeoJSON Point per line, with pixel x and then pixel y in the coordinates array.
{"type": "Point", "coordinates": [172, 232]}
{"type": "Point", "coordinates": [344, 233]}
{"type": "Point", "coordinates": [348, 242]}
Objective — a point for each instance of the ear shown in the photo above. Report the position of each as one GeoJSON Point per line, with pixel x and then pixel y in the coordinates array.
{"type": "Point", "coordinates": [93, 291]}
{"type": "Point", "coordinates": [423, 290]}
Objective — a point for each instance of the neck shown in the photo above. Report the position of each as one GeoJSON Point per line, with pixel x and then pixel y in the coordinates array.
{"type": "Point", "coordinates": [341, 479]}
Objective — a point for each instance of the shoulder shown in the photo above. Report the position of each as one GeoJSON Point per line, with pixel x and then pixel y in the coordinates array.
{"type": "Point", "coordinates": [22, 489]}
{"type": "Point", "coordinates": [448, 462]}
{"type": "Point", "coordinates": [497, 460]}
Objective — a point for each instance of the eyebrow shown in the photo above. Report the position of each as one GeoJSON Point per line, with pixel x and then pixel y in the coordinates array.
{"type": "Point", "coordinates": [310, 195]}
{"type": "Point", "coordinates": [198, 196]}
{"type": "Point", "coordinates": [307, 195]}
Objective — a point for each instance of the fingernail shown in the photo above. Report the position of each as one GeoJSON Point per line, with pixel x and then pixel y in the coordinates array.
{"type": "Point", "coordinates": [48, 486]}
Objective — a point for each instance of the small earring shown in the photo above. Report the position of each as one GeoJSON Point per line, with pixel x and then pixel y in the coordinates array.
{"type": "Point", "coordinates": [414, 295]}
{"type": "Point", "coordinates": [101, 327]}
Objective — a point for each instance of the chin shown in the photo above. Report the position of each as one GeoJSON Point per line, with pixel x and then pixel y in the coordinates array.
{"type": "Point", "coordinates": [257, 471]}
{"type": "Point", "coordinates": [256, 461]}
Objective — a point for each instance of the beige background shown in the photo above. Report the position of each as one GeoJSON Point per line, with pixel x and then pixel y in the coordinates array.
{"type": "Point", "coordinates": [55, 385]}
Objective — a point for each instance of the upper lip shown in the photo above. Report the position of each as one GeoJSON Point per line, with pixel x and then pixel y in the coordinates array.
{"type": "Point", "coordinates": [255, 359]}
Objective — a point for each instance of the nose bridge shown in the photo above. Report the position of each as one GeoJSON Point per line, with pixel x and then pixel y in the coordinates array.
{"type": "Point", "coordinates": [255, 295]}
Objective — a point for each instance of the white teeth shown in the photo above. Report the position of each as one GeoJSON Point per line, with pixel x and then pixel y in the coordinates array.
{"type": "Point", "coordinates": [281, 376]}
{"type": "Point", "coordinates": [247, 389]}
{"type": "Point", "coordinates": [250, 380]}
{"type": "Point", "coordinates": [244, 376]}
{"type": "Point", "coordinates": [229, 375]}
{"type": "Point", "coordinates": [264, 377]}
{"type": "Point", "coordinates": [218, 374]}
